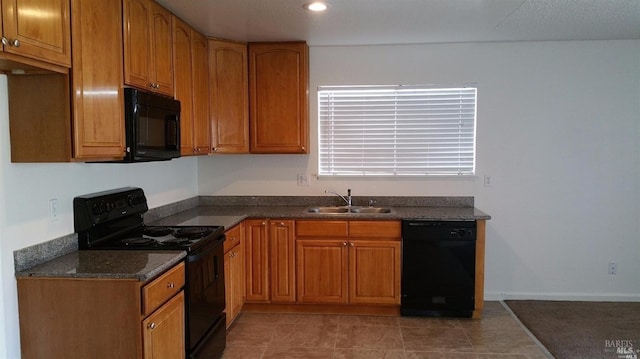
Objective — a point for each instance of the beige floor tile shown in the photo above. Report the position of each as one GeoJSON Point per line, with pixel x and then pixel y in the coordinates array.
{"type": "Point", "coordinates": [319, 336]}
{"type": "Point", "coordinates": [278, 352]}
{"type": "Point", "coordinates": [254, 317]}
{"type": "Point", "coordinates": [435, 339]}
{"type": "Point", "coordinates": [368, 320]}
{"type": "Point", "coordinates": [368, 354]}
{"type": "Point", "coordinates": [316, 319]}
{"type": "Point", "coordinates": [234, 352]}
{"type": "Point", "coordinates": [250, 334]}
{"type": "Point", "coordinates": [502, 342]}
{"type": "Point", "coordinates": [502, 356]}
{"type": "Point", "coordinates": [429, 322]}
{"type": "Point", "coordinates": [369, 337]}
{"type": "Point", "coordinates": [305, 335]}
{"type": "Point", "coordinates": [439, 355]}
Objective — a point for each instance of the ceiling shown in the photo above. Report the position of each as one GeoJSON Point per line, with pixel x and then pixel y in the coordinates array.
{"type": "Point", "coordinates": [373, 22]}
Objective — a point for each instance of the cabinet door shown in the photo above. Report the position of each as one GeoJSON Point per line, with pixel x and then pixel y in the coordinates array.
{"type": "Point", "coordinates": [256, 241]}
{"type": "Point", "coordinates": [237, 278]}
{"type": "Point", "coordinates": [137, 42]}
{"type": "Point", "coordinates": [228, 284]}
{"type": "Point", "coordinates": [98, 123]}
{"type": "Point", "coordinates": [200, 95]}
{"type": "Point", "coordinates": [229, 101]}
{"type": "Point", "coordinates": [183, 83]}
{"type": "Point", "coordinates": [278, 91]}
{"type": "Point", "coordinates": [40, 37]}
{"type": "Point", "coordinates": [322, 270]}
{"type": "Point", "coordinates": [234, 272]}
{"type": "Point", "coordinates": [163, 331]}
{"type": "Point", "coordinates": [374, 272]}
{"type": "Point", "coordinates": [161, 64]}
{"type": "Point", "coordinates": [282, 268]}
{"type": "Point", "coordinates": [234, 282]}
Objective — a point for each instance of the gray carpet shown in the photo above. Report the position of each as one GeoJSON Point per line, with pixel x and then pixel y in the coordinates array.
{"type": "Point", "coordinates": [581, 330]}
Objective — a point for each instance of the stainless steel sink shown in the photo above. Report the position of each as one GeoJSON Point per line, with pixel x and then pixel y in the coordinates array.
{"type": "Point", "coordinates": [327, 210]}
{"type": "Point", "coordinates": [370, 210]}
{"type": "Point", "coordinates": [345, 209]}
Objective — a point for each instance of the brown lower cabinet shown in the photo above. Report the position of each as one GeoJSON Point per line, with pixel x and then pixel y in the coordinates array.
{"type": "Point", "coordinates": [270, 261]}
{"type": "Point", "coordinates": [339, 266]}
{"type": "Point", "coordinates": [234, 272]}
{"type": "Point", "coordinates": [102, 318]}
{"type": "Point", "coordinates": [348, 262]}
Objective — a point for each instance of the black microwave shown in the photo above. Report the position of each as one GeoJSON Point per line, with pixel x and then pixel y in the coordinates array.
{"type": "Point", "coordinates": [152, 126]}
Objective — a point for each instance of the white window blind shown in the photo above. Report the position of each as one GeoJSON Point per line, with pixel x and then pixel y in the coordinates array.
{"type": "Point", "coordinates": [396, 131]}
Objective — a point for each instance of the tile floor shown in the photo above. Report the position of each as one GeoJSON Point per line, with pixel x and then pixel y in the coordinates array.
{"type": "Point", "coordinates": [323, 336]}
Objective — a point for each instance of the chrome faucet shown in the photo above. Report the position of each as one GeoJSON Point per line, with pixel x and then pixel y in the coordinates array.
{"type": "Point", "coordinates": [346, 200]}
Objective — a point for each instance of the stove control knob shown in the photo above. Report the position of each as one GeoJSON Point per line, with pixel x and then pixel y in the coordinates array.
{"type": "Point", "coordinates": [101, 208]}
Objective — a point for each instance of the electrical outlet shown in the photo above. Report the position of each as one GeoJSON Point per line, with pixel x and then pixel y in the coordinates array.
{"type": "Point", "coordinates": [488, 181]}
{"type": "Point", "coordinates": [613, 267]}
{"type": "Point", "coordinates": [53, 209]}
{"type": "Point", "coordinates": [303, 180]}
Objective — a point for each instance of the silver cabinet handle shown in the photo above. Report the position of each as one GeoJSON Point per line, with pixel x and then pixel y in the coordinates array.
{"type": "Point", "coordinates": [151, 325]}
{"type": "Point", "coordinates": [16, 43]}
{"type": "Point", "coordinates": [344, 243]}
{"type": "Point", "coordinates": [5, 41]}
{"type": "Point", "coordinates": [351, 244]}
{"type": "Point", "coordinates": [171, 285]}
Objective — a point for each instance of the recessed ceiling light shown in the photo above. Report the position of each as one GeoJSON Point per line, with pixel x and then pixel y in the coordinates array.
{"type": "Point", "coordinates": [315, 6]}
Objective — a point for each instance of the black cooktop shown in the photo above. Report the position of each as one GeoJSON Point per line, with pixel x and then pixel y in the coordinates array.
{"type": "Point", "coordinates": [187, 238]}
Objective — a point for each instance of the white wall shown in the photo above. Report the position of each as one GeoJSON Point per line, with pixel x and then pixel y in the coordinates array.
{"type": "Point", "coordinates": [558, 130]}
{"type": "Point", "coordinates": [25, 190]}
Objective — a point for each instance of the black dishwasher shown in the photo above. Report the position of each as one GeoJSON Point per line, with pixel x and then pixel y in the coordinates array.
{"type": "Point", "coordinates": [438, 268]}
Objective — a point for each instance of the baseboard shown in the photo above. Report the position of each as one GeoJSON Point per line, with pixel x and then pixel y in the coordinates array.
{"type": "Point", "coordinates": [586, 297]}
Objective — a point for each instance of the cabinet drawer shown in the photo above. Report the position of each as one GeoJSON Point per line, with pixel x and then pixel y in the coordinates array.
{"type": "Point", "coordinates": [162, 288]}
{"type": "Point", "coordinates": [375, 229]}
{"type": "Point", "coordinates": [321, 228]}
{"type": "Point", "coordinates": [233, 238]}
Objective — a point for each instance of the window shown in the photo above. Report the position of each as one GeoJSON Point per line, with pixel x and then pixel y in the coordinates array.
{"type": "Point", "coordinates": [396, 131]}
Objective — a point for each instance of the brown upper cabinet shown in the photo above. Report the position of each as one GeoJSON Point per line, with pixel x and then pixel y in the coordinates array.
{"type": "Point", "coordinates": [57, 119]}
{"type": "Point", "coordinates": [228, 81]}
{"type": "Point", "coordinates": [148, 46]}
{"type": "Point", "coordinates": [38, 30]}
{"type": "Point", "coordinates": [200, 71]}
{"type": "Point", "coordinates": [97, 96]}
{"type": "Point", "coordinates": [191, 89]}
{"type": "Point", "coordinates": [278, 93]}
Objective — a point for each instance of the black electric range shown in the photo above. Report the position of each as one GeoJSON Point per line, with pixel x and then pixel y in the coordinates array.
{"type": "Point", "coordinates": [113, 220]}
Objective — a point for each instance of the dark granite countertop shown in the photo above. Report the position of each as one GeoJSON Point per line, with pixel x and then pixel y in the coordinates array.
{"type": "Point", "coordinates": [60, 257]}
{"type": "Point", "coordinates": [230, 215]}
{"type": "Point", "coordinates": [122, 264]}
